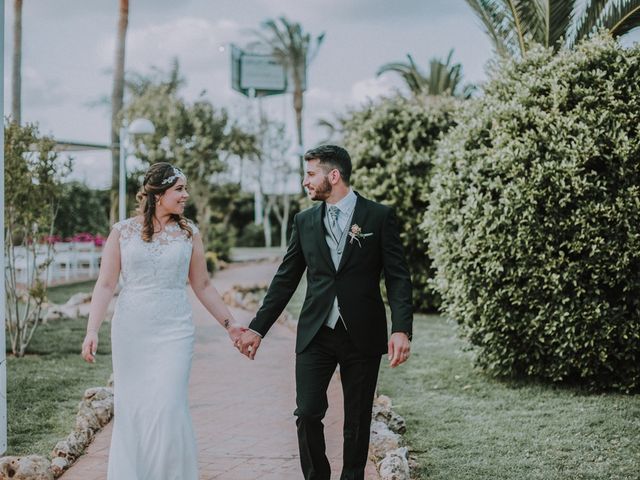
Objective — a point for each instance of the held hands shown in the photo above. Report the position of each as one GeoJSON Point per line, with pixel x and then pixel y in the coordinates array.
{"type": "Point", "coordinates": [248, 343]}
{"type": "Point", "coordinates": [399, 349]}
{"type": "Point", "coordinates": [90, 347]}
{"type": "Point", "coordinates": [235, 331]}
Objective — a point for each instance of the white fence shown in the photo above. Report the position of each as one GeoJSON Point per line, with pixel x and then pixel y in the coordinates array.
{"type": "Point", "coordinates": [70, 261]}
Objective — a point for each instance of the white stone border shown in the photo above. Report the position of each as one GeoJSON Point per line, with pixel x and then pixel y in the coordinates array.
{"type": "Point", "coordinates": [94, 412]}
{"type": "Point", "coordinates": [387, 428]}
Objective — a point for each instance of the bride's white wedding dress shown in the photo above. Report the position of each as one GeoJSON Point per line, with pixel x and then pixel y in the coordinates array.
{"type": "Point", "coordinates": [152, 337]}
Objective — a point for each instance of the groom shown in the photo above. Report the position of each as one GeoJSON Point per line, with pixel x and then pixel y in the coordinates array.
{"type": "Point", "coordinates": [345, 243]}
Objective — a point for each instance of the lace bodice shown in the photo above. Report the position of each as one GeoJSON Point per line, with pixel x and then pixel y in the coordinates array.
{"type": "Point", "coordinates": [160, 264]}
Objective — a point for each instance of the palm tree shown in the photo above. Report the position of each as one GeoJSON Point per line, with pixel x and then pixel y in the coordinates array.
{"type": "Point", "coordinates": [294, 49]}
{"type": "Point", "coordinates": [443, 77]}
{"type": "Point", "coordinates": [117, 95]}
{"type": "Point", "coordinates": [512, 25]}
{"type": "Point", "coordinates": [16, 73]}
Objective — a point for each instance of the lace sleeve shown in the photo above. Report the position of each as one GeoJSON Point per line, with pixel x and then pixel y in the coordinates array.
{"type": "Point", "coordinates": [128, 228]}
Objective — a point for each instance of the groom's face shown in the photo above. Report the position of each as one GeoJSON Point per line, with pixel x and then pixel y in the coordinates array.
{"type": "Point", "coordinates": [316, 181]}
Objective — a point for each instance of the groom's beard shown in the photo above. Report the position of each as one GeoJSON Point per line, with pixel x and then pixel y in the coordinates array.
{"type": "Point", "coordinates": [322, 191]}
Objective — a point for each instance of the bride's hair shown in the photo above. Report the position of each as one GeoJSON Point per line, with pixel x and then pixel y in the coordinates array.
{"type": "Point", "coordinates": [152, 188]}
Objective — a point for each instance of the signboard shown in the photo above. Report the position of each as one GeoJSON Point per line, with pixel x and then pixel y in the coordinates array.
{"type": "Point", "coordinates": [255, 74]}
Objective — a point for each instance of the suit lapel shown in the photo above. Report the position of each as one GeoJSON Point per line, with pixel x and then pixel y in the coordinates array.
{"type": "Point", "coordinates": [359, 217]}
{"type": "Point", "coordinates": [319, 233]}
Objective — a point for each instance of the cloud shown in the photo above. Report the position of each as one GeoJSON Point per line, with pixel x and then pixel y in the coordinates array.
{"type": "Point", "coordinates": [368, 89]}
{"type": "Point", "coordinates": [363, 10]}
{"type": "Point", "coordinates": [195, 42]}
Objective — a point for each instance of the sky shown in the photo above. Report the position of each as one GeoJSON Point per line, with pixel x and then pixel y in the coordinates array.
{"type": "Point", "coordinates": [69, 51]}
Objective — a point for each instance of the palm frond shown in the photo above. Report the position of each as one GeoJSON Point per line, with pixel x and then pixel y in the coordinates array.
{"type": "Point", "coordinates": [558, 16]}
{"type": "Point", "coordinates": [589, 19]}
{"type": "Point", "coordinates": [494, 18]}
{"type": "Point", "coordinates": [621, 17]}
{"type": "Point", "coordinates": [409, 72]}
{"type": "Point", "coordinates": [519, 12]}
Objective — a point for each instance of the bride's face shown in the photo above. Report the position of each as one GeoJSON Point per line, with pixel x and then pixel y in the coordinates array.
{"type": "Point", "coordinates": [174, 199]}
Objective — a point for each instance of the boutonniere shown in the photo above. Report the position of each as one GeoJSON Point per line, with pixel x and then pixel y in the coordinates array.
{"type": "Point", "coordinates": [356, 234]}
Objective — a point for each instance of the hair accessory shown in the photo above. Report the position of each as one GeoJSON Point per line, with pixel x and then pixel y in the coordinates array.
{"type": "Point", "coordinates": [177, 173]}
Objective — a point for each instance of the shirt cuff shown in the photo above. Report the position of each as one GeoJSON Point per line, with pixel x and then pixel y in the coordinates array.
{"type": "Point", "coordinates": [257, 333]}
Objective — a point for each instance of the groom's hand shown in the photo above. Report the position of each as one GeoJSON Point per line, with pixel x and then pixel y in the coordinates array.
{"type": "Point", "coordinates": [248, 343]}
{"type": "Point", "coordinates": [399, 349]}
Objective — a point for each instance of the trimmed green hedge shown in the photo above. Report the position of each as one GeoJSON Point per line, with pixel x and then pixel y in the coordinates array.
{"type": "Point", "coordinates": [534, 219]}
{"type": "Point", "coordinates": [392, 144]}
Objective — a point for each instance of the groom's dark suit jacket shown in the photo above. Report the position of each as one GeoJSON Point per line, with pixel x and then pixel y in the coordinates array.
{"type": "Point", "coordinates": [356, 282]}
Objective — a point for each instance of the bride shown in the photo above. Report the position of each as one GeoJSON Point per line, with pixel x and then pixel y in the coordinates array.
{"type": "Point", "coordinates": [152, 332]}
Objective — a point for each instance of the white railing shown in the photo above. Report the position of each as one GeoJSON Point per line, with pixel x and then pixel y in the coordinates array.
{"type": "Point", "coordinates": [70, 261]}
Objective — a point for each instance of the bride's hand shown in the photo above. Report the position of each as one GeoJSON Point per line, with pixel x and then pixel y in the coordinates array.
{"type": "Point", "coordinates": [235, 331]}
{"type": "Point", "coordinates": [90, 347]}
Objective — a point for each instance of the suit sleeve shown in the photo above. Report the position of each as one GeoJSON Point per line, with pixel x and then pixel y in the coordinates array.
{"type": "Point", "coordinates": [396, 276]}
{"type": "Point", "coordinates": [282, 286]}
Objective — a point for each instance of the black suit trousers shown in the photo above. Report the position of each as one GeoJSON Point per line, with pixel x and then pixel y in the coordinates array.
{"type": "Point", "coordinates": [315, 366]}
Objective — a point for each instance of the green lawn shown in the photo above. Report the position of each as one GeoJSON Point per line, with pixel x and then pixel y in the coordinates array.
{"type": "Point", "coordinates": [45, 387]}
{"type": "Point", "coordinates": [464, 425]}
{"type": "Point", "coordinates": [62, 293]}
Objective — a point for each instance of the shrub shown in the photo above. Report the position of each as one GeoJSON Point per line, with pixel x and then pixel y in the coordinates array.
{"type": "Point", "coordinates": [392, 144]}
{"type": "Point", "coordinates": [82, 209]}
{"type": "Point", "coordinates": [534, 219]}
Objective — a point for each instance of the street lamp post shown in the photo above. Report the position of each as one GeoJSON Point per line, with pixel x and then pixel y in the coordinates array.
{"type": "Point", "coordinates": [3, 356]}
{"type": "Point", "coordinates": [140, 126]}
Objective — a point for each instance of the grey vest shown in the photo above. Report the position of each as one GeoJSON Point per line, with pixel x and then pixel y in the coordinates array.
{"type": "Point", "coordinates": [334, 313]}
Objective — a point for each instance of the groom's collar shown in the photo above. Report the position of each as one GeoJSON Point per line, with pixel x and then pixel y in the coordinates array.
{"type": "Point", "coordinates": [347, 203]}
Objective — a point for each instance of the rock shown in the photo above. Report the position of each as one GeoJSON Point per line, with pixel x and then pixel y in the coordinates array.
{"type": "Point", "coordinates": [382, 412]}
{"type": "Point", "coordinates": [103, 410]}
{"type": "Point", "coordinates": [58, 466]}
{"type": "Point", "coordinates": [110, 382]}
{"type": "Point", "coordinates": [31, 467]}
{"type": "Point", "coordinates": [395, 465]}
{"type": "Point", "coordinates": [98, 393]}
{"type": "Point", "coordinates": [89, 418]}
{"type": "Point", "coordinates": [64, 450]}
{"type": "Point", "coordinates": [83, 425]}
{"type": "Point", "coordinates": [78, 299]}
{"type": "Point", "coordinates": [397, 424]}
{"type": "Point", "coordinates": [382, 440]}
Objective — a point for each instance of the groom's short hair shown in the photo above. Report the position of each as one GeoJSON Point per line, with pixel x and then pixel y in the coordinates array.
{"type": "Point", "coordinates": [334, 157]}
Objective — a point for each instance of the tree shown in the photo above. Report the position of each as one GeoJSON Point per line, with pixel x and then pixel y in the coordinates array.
{"type": "Point", "coordinates": [16, 73]}
{"type": "Point", "coordinates": [443, 77]}
{"type": "Point", "coordinates": [272, 174]}
{"type": "Point", "coordinates": [117, 96]}
{"type": "Point", "coordinates": [32, 193]}
{"type": "Point", "coordinates": [196, 137]}
{"type": "Point", "coordinates": [294, 49]}
{"type": "Point", "coordinates": [513, 25]}
{"type": "Point", "coordinates": [82, 209]}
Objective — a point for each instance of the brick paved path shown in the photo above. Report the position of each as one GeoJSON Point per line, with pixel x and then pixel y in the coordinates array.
{"type": "Point", "coordinates": [242, 410]}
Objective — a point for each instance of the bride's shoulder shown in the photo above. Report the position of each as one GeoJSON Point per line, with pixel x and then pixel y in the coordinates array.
{"type": "Point", "coordinates": [129, 224]}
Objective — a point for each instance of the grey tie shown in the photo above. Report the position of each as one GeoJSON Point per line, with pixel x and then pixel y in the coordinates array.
{"type": "Point", "coordinates": [336, 231]}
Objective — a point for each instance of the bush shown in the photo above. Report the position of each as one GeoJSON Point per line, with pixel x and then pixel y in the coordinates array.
{"type": "Point", "coordinates": [222, 239]}
{"type": "Point", "coordinates": [252, 235]}
{"type": "Point", "coordinates": [82, 209]}
{"type": "Point", "coordinates": [392, 144]}
{"type": "Point", "coordinates": [534, 219]}
{"type": "Point", "coordinates": [212, 262]}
